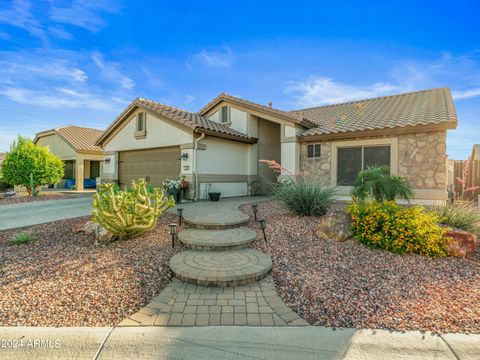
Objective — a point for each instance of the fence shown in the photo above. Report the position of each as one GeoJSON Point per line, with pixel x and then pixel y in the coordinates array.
{"type": "Point", "coordinates": [472, 178]}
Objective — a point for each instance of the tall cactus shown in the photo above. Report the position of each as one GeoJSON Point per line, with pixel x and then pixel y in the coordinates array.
{"type": "Point", "coordinates": [127, 214]}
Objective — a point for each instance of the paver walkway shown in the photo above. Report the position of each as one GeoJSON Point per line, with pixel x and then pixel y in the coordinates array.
{"type": "Point", "coordinates": [232, 295]}
{"type": "Point", "coordinates": [39, 212]}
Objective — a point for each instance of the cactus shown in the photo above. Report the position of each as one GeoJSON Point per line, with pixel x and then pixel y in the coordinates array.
{"type": "Point", "coordinates": [127, 214]}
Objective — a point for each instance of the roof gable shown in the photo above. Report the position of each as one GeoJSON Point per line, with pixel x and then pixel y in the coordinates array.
{"type": "Point", "coordinates": [79, 138]}
{"type": "Point", "coordinates": [191, 120]}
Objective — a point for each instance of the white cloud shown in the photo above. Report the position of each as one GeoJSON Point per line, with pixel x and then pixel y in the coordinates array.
{"type": "Point", "coordinates": [86, 14]}
{"type": "Point", "coordinates": [111, 71]}
{"type": "Point", "coordinates": [322, 90]}
{"type": "Point", "coordinates": [62, 98]}
{"type": "Point", "coordinates": [216, 59]}
{"type": "Point", "coordinates": [33, 17]}
{"type": "Point", "coordinates": [20, 15]}
{"type": "Point", "coordinates": [447, 71]}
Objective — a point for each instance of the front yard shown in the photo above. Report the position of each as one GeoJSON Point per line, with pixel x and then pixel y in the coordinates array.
{"type": "Point", "coordinates": [23, 197]}
{"type": "Point", "coordinates": [63, 279]}
{"type": "Point", "coordinates": [347, 284]}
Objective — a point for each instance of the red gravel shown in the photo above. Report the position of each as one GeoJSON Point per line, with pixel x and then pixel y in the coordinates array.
{"type": "Point", "coordinates": [350, 285]}
{"type": "Point", "coordinates": [18, 199]}
{"type": "Point", "coordinates": [63, 279]}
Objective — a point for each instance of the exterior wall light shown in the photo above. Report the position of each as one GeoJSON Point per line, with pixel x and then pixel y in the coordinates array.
{"type": "Point", "coordinates": [184, 156]}
{"type": "Point", "coordinates": [107, 160]}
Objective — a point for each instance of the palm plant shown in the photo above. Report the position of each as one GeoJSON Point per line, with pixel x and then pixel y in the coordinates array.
{"type": "Point", "coordinates": [376, 182]}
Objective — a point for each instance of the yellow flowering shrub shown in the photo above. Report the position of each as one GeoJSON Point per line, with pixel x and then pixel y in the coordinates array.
{"type": "Point", "coordinates": [388, 226]}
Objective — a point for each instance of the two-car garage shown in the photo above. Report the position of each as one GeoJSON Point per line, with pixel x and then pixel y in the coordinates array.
{"type": "Point", "coordinates": [155, 165]}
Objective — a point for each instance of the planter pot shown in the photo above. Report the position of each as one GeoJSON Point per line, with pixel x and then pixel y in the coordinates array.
{"type": "Point", "coordinates": [214, 196]}
{"type": "Point", "coordinates": [178, 196]}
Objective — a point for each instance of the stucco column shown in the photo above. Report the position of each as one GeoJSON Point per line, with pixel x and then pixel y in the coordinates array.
{"type": "Point", "coordinates": [290, 155]}
{"type": "Point", "coordinates": [80, 173]}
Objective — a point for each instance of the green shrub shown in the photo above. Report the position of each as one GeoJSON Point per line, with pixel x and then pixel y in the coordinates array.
{"type": "Point", "coordinates": [376, 182]}
{"type": "Point", "coordinates": [26, 159]}
{"type": "Point", "coordinates": [388, 226]}
{"type": "Point", "coordinates": [127, 214]}
{"type": "Point", "coordinates": [23, 237]}
{"type": "Point", "coordinates": [4, 185]}
{"type": "Point", "coordinates": [462, 215]}
{"type": "Point", "coordinates": [305, 197]}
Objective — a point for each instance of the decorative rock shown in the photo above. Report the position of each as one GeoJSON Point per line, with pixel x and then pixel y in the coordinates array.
{"type": "Point", "coordinates": [86, 227]}
{"type": "Point", "coordinates": [461, 244]}
{"type": "Point", "coordinates": [103, 235]}
{"type": "Point", "coordinates": [334, 226]}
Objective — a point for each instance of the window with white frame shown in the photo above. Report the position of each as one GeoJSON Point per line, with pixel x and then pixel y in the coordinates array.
{"type": "Point", "coordinates": [352, 160]}
{"type": "Point", "coordinates": [313, 151]}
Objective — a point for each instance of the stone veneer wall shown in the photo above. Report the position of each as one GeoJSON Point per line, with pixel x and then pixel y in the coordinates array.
{"type": "Point", "coordinates": [421, 159]}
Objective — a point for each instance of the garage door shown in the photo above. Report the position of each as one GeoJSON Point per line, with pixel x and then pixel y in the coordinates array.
{"type": "Point", "coordinates": [155, 165]}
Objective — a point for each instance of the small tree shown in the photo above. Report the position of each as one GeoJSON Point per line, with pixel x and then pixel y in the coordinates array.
{"type": "Point", "coordinates": [31, 166]}
{"type": "Point", "coordinates": [376, 181]}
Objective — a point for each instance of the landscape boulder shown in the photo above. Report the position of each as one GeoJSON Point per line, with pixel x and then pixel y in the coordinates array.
{"type": "Point", "coordinates": [334, 226]}
{"type": "Point", "coordinates": [461, 243]}
{"type": "Point", "coordinates": [89, 228]}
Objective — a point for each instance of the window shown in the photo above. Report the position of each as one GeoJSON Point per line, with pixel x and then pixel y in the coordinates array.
{"type": "Point", "coordinates": [224, 114]}
{"type": "Point", "coordinates": [313, 151]}
{"type": "Point", "coordinates": [351, 160]}
{"type": "Point", "coordinates": [140, 122]}
{"type": "Point", "coordinates": [140, 125]}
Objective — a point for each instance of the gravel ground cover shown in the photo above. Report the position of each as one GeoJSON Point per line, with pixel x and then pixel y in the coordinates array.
{"type": "Point", "coordinates": [350, 285]}
{"type": "Point", "coordinates": [64, 279]}
{"type": "Point", "coordinates": [23, 198]}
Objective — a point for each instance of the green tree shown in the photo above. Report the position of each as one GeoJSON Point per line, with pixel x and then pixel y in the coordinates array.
{"type": "Point", "coordinates": [376, 182]}
{"type": "Point", "coordinates": [28, 164]}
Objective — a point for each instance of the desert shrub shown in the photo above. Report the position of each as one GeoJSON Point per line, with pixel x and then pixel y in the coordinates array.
{"type": "Point", "coordinates": [376, 182]}
{"type": "Point", "coordinates": [388, 226]}
{"type": "Point", "coordinates": [23, 237]}
{"type": "Point", "coordinates": [27, 163]}
{"type": "Point", "coordinates": [127, 214]}
{"type": "Point", "coordinates": [462, 215]}
{"type": "Point", "coordinates": [305, 197]}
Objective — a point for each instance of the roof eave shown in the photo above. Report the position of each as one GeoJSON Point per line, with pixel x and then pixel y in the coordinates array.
{"type": "Point", "coordinates": [248, 140]}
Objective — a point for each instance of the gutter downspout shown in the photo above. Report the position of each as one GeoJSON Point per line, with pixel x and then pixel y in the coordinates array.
{"type": "Point", "coordinates": [194, 170]}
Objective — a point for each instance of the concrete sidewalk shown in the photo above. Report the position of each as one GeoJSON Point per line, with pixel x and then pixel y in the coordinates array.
{"type": "Point", "coordinates": [231, 343]}
{"type": "Point", "coordinates": [39, 212]}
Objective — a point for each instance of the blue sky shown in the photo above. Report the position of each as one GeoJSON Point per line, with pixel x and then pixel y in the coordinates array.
{"type": "Point", "coordinates": [81, 62]}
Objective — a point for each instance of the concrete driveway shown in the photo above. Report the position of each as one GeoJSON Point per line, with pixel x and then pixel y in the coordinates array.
{"type": "Point", "coordinates": [205, 343]}
{"type": "Point", "coordinates": [39, 212]}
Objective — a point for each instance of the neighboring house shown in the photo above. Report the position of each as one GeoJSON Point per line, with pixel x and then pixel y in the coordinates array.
{"type": "Point", "coordinates": [75, 146]}
{"type": "Point", "coordinates": [218, 148]}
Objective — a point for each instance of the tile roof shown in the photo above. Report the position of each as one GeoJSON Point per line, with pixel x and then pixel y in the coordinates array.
{"type": "Point", "coordinates": [299, 118]}
{"type": "Point", "coordinates": [434, 106]}
{"type": "Point", "coordinates": [192, 120]}
{"type": "Point", "coordinates": [81, 138]}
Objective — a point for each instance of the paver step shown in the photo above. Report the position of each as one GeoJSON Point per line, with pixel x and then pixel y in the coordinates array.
{"type": "Point", "coordinates": [216, 220]}
{"type": "Point", "coordinates": [221, 268]}
{"type": "Point", "coordinates": [217, 240]}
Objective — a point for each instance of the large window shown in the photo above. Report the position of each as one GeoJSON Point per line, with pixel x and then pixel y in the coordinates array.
{"type": "Point", "coordinates": [351, 160]}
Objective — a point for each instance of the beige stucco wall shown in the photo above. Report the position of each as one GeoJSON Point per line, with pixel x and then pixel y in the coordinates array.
{"type": "Point", "coordinates": [58, 146]}
{"type": "Point", "coordinates": [160, 133]}
{"type": "Point", "coordinates": [419, 157]}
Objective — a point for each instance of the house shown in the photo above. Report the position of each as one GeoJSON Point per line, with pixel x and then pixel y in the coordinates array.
{"type": "Point", "coordinates": [218, 148]}
{"type": "Point", "coordinates": [75, 146]}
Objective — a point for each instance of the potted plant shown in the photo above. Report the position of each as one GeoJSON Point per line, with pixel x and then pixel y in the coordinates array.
{"type": "Point", "coordinates": [170, 186]}
{"type": "Point", "coordinates": [183, 187]}
{"type": "Point", "coordinates": [214, 196]}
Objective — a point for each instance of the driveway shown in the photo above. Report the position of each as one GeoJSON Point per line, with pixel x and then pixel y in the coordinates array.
{"type": "Point", "coordinates": [39, 212]}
